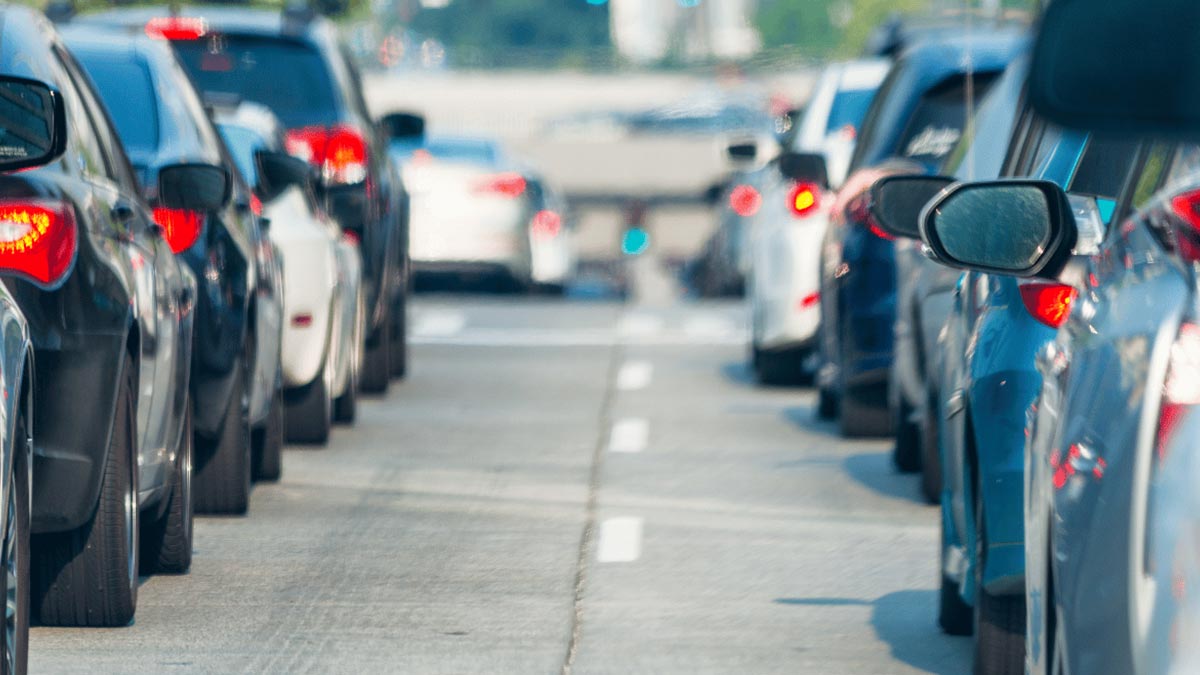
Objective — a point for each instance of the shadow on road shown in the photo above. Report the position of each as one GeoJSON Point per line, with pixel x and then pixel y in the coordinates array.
{"type": "Point", "coordinates": [905, 621]}
{"type": "Point", "coordinates": [805, 417]}
{"type": "Point", "coordinates": [738, 372]}
{"type": "Point", "coordinates": [876, 471]}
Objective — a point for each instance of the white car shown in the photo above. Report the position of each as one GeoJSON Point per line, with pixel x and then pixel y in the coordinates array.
{"type": "Point", "coordinates": [324, 322]}
{"type": "Point", "coordinates": [786, 232]}
{"type": "Point", "coordinates": [473, 211]}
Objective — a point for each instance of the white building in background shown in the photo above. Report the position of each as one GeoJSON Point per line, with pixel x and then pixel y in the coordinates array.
{"type": "Point", "coordinates": [644, 31]}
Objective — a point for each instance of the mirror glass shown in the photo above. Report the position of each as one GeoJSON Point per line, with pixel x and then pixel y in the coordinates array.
{"type": "Point", "coordinates": [27, 123]}
{"type": "Point", "coordinates": [1004, 227]}
{"type": "Point", "coordinates": [195, 187]}
{"type": "Point", "coordinates": [403, 126]}
{"type": "Point", "coordinates": [743, 151]}
{"type": "Point", "coordinates": [898, 202]}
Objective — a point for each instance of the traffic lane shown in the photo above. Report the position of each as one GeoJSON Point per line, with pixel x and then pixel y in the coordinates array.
{"type": "Point", "coordinates": [440, 534]}
{"type": "Point", "coordinates": [768, 543]}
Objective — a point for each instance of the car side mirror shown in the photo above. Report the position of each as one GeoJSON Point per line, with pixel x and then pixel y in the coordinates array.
{"type": "Point", "coordinates": [194, 187]}
{"type": "Point", "coordinates": [278, 171]}
{"type": "Point", "coordinates": [897, 202]}
{"type": "Point", "coordinates": [403, 126]}
{"type": "Point", "coordinates": [742, 152]}
{"type": "Point", "coordinates": [1020, 228]}
{"type": "Point", "coordinates": [806, 167]}
{"type": "Point", "coordinates": [33, 123]}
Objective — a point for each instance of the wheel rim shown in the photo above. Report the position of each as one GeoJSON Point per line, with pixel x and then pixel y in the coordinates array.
{"type": "Point", "coordinates": [11, 556]}
{"type": "Point", "coordinates": [185, 483]}
{"type": "Point", "coordinates": [130, 502]}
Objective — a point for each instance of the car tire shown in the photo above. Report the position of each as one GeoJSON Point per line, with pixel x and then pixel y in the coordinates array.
{"type": "Point", "coordinates": [267, 463]}
{"type": "Point", "coordinates": [166, 542]}
{"type": "Point", "coordinates": [221, 482]}
{"type": "Point", "coordinates": [16, 556]}
{"type": "Point", "coordinates": [999, 620]}
{"type": "Point", "coordinates": [89, 576]}
{"type": "Point", "coordinates": [906, 454]}
{"type": "Point", "coordinates": [827, 403]}
{"type": "Point", "coordinates": [376, 370]}
{"type": "Point", "coordinates": [398, 358]}
{"type": "Point", "coordinates": [345, 407]}
{"type": "Point", "coordinates": [931, 456]}
{"type": "Point", "coordinates": [310, 411]}
{"type": "Point", "coordinates": [955, 617]}
{"type": "Point", "coordinates": [780, 367]}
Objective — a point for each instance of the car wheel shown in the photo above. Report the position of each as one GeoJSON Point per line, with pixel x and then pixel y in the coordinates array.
{"type": "Point", "coordinates": [398, 359]}
{"type": "Point", "coordinates": [780, 367]}
{"type": "Point", "coordinates": [268, 443]}
{"type": "Point", "coordinates": [345, 407]}
{"type": "Point", "coordinates": [88, 576]}
{"type": "Point", "coordinates": [931, 458]}
{"type": "Point", "coordinates": [166, 546]}
{"type": "Point", "coordinates": [310, 411]}
{"type": "Point", "coordinates": [906, 455]}
{"type": "Point", "coordinates": [999, 619]}
{"type": "Point", "coordinates": [221, 484]}
{"type": "Point", "coordinates": [376, 367]}
{"type": "Point", "coordinates": [16, 557]}
{"type": "Point", "coordinates": [954, 615]}
{"type": "Point", "coordinates": [827, 403]}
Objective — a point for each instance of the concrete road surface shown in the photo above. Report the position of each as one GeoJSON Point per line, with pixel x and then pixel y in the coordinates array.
{"type": "Point", "coordinates": [560, 486]}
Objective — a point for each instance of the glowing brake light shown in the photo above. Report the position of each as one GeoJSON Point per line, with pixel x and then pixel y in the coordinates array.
{"type": "Point", "coordinates": [546, 224]}
{"type": "Point", "coordinates": [37, 240]}
{"type": "Point", "coordinates": [181, 228]}
{"type": "Point", "coordinates": [1049, 303]}
{"type": "Point", "coordinates": [745, 200]}
{"type": "Point", "coordinates": [340, 152]}
{"type": "Point", "coordinates": [511, 185]}
{"type": "Point", "coordinates": [804, 199]}
{"type": "Point", "coordinates": [1187, 239]}
{"type": "Point", "coordinates": [176, 28]}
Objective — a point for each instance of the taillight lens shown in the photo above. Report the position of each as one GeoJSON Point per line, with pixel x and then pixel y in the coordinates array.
{"type": "Point", "coordinates": [340, 152]}
{"type": "Point", "coordinates": [181, 227]}
{"type": "Point", "coordinates": [546, 224]}
{"type": "Point", "coordinates": [804, 199]}
{"type": "Point", "coordinates": [745, 200]}
{"type": "Point", "coordinates": [860, 212]}
{"type": "Point", "coordinates": [510, 185]}
{"type": "Point", "coordinates": [1049, 303]}
{"type": "Point", "coordinates": [176, 28]}
{"type": "Point", "coordinates": [1187, 239]}
{"type": "Point", "coordinates": [37, 240]}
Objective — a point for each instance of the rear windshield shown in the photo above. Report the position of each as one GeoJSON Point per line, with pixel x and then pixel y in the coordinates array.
{"type": "Point", "coordinates": [849, 109]}
{"type": "Point", "coordinates": [136, 118]}
{"type": "Point", "coordinates": [937, 123]}
{"type": "Point", "coordinates": [242, 143]}
{"type": "Point", "coordinates": [289, 78]}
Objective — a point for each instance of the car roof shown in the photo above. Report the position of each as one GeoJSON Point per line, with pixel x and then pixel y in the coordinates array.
{"type": "Point", "coordinates": [985, 50]}
{"type": "Point", "coordinates": [861, 74]}
{"type": "Point", "coordinates": [220, 19]}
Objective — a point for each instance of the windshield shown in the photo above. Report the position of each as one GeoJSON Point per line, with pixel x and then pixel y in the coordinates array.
{"type": "Point", "coordinates": [137, 119]}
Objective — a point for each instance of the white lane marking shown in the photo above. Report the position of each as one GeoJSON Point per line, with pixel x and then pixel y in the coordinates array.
{"type": "Point", "coordinates": [629, 435]}
{"type": "Point", "coordinates": [710, 327]}
{"type": "Point", "coordinates": [634, 375]}
{"type": "Point", "coordinates": [439, 324]}
{"type": "Point", "coordinates": [640, 325]}
{"type": "Point", "coordinates": [620, 540]}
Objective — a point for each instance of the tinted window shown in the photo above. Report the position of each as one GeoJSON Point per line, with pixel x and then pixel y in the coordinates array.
{"type": "Point", "coordinates": [849, 108]}
{"type": "Point", "coordinates": [462, 150]}
{"type": "Point", "coordinates": [137, 119]}
{"type": "Point", "coordinates": [937, 124]}
{"type": "Point", "coordinates": [242, 143]}
{"type": "Point", "coordinates": [1105, 168]}
{"type": "Point", "coordinates": [289, 78]}
{"type": "Point", "coordinates": [986, 140]}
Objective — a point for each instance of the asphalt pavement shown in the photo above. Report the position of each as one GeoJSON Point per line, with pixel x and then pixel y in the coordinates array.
{"type": "Point", "coordinates": [561, 485]}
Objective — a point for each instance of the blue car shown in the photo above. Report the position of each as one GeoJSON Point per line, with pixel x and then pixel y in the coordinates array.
{"type": "Point", "coordinates": [913, 124]}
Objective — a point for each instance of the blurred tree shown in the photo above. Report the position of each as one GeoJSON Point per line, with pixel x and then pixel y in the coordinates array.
{"type": "Point", "coordinates": [803, 26]}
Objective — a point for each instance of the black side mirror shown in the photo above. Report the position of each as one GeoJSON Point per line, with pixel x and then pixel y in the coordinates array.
{"type": "Point", "coordinates": [746, 151]}
{"type": "Point", "coordinates": [403, 126]}
{"type": "Point", "coordinates": [897, 202]}
{"type": "Point", "coordinates": [277, 171]}
{"type": "Point", "coordinates": [1020, 228]}
{"type": "Point", "coordinates": [805, 167]}
{"type": "Point", "coordinates": [194, 187]}
{"type": "Point", "coordinates": [33, 123]}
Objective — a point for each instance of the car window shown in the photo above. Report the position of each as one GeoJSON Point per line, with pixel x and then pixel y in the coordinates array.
{"type": "Point", "coordinates": [1104, 168]}
{"type": "Point", "coordinates": [937, 123]}
{"type": "Point", "coordinates": [290, 78]}
{"type": "Point", "coordinates": [119, 169]}
{"type": "Point", "coordinates": [1154, 168]}
{"type": "Point", "coordinates": [81, 135]}
{"type": "Point", "coordinates": [985, 141]}
{"type": "Point", "coordinates": [849, 108]}
{"type": "Point", "coordinates": [137, 120]}
{"type": "Point", "coordinates": [242, 144]}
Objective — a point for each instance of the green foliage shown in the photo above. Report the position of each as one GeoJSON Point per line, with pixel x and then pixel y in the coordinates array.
{"type": "Point", "coordinates": [868, 14]}
{"type": "Point", "coordinates": [801, 26]}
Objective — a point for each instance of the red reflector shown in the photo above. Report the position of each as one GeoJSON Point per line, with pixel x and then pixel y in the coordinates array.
{"type": "Point", "coordinates": [1049, 303]}
{"type": "Point", "coordinates": [302, 320]}
{"type": "Point", "coordinates": [37, 240]}
{"type": "Point", "coordinates": [176, 28]}
{"type": "Point", "coordinates": [255, 205]}
{"type": "Point", "coordinates": [340, 152]}
{"type": "Point", "coordinates": [810, 300]}
{"type": "Point", "coordinates": [511, 185]}
{"type": "Point", "coordinates": [745, 200]}
{"type": "Point", "coordinates": [181, 227]}
{"type": "Point", "coordinates": [546, 224]}
{"type": "Point", "coordinates": [351, 236]}
{"type": "Point", "coordinates": [804, 199]}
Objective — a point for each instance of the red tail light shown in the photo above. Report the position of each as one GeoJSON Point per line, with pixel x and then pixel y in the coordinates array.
{"type": "Point", "coordinates": [546, 224]}
{"type": "Point", "coordinates": [1048, 302]}
{"type": "Point", "coordinates": [37, 240]}
{"type": "Point", "coordinates": [804, 199]}
{"type": "Point", "coordinates": [176, 28]}
{"type": "Point", "coordinates": [1187, 239]}
{"type": "Point", "coordinates": [181, 228]}
{"type": "Point", "coordinates": [340, 152]}
{"type": "Point", "coordinates": [859, 211]}
{"type": "Point", "coordinates": [745, 200]}
{"type": "Point", "coordinates": [511, 185]}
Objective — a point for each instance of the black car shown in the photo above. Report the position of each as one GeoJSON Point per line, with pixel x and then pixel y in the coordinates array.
{"type": "Point", "coordinates": [293, 63]}
{"type": "Point", "coordinates": [110, 314]}
{"type": "Point", "coordinates": [235, 369]}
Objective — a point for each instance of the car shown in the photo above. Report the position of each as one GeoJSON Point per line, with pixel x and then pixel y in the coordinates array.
{"type": "Point", "coordinates": [293, 63]}
{"type": "Point", "coordinates": [552, 236]}
{"type": "Point", "coordinates": [235, 381]}
{"type": "Point", "coordinates": [1117, 380]}
{"type": "Point", "coordinates": [323, 303]}
{"type": "Point", "coordinates": [914, 122]}
{"type": "Point", "coordinates": [925, 290]}
{"type": "Point", "coordinates": [786, 230]}
{"type": "Point", "coordinates": [110, 315]}
{"type": "Point", "coordinates": [476, 211]}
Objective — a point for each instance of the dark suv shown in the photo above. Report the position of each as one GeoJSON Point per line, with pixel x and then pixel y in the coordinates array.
{"type": "Point", "coordinates": [294, 64]}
